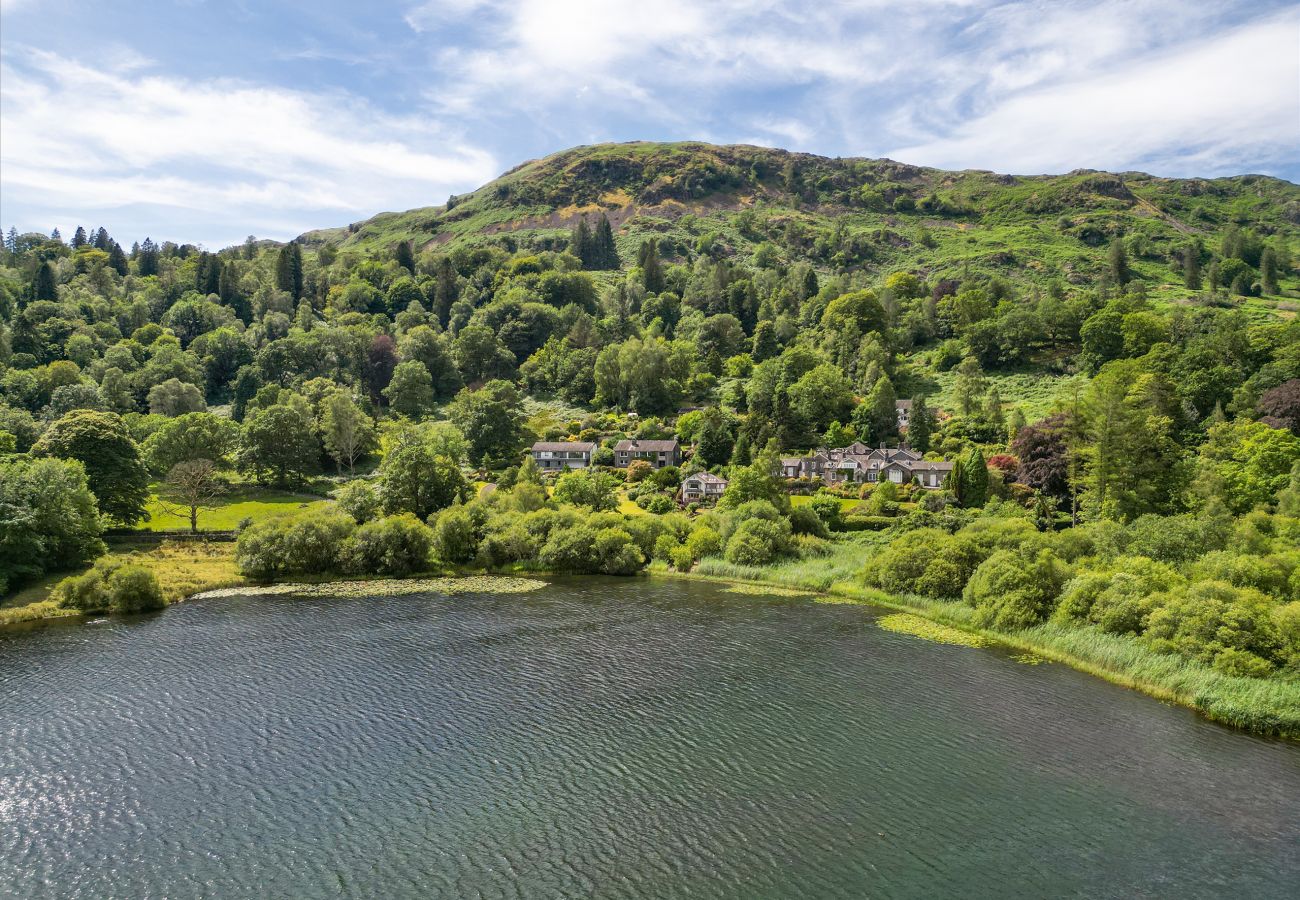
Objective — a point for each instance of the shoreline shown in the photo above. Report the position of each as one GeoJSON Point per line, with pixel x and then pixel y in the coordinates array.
{"type": "Point", "coordinates": [1286, 725]}
{"type": "Point", "coordinates": [1115, 661]}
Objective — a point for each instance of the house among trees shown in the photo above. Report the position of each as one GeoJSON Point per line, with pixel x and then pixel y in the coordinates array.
{"type": "Point", "coordinates": [858, 463]}
{"type": "Point", "coordinates": [702, 487]}
{"type": "Point", "coordinates": [552, 456]}
{"type": "Point", "coordinates": [657, 453]}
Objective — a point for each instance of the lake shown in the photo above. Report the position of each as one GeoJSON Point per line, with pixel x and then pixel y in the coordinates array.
{"type": "Point", "coordinates": [606, 738]}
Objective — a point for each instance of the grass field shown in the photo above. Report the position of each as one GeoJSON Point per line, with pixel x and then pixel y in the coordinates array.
{"type": "Point", "coordinates": [243, 502]}
{"type": "Point", "coordinates": [1037, 393]}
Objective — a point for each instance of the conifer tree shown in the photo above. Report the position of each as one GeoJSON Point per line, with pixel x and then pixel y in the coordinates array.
{"type": "Point", "coordinates": [1117, 260]}
{"type": "Point", "coordinates": [11, 240]}
{"type": "Point", "coordinates": [765, 343]}
{"type": "Point", "coordinates": [55, 236]}
{"type": "Point", "coordinates": [652, 273]}
{"type": "Point", "coordinates": [582, 243]}
{"type": "Point", "coordinates": [117, 259]}
{"type": "Point", "coordinates": [882, 402]}
{"type": "Point", "coordinates": [288, 269]}
{"type": "Point", "coordinates": [1268, 271]}
{"type": "Point", "coordinates": [405, 256]}
{"type": "Point", "coordinates": [148, 262]}
{"type": "Point", "coordinates": [444, 291]}
{"type": "Point", "coordinates": [605, 253]}
{"type": "Point", "coordinates": [975, 479]}
{"type": "Point", "coordinates": [920, 426]}
{"type": "Point", "coordinates": [102, 239]}
{"type": "Point", "coordinates": [43, 287]}
{"type": "Point", "coordinates": [1192, 266]}
{"type": "Point", "coordinates": [79, 238]}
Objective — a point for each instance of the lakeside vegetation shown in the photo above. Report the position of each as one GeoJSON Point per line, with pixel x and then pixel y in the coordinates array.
{"type": "Point", "coordinates": [1111, 363]}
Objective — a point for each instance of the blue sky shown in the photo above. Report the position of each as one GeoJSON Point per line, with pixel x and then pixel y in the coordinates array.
{"type": "Point", "coordinates": [206, 121]}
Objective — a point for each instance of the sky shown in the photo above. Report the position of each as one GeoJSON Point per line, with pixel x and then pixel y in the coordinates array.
{"type": "Point", "coordinates": [204, 122]}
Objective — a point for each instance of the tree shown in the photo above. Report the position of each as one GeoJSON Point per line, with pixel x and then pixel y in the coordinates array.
{"type": "Point", "coordinates": [1250, 460]}
{"type": "Point", "coordinates": [347, 431]}
{"type": "Point", "coordinates": [652, 273]}
{"type": "Point", "coordinates": [581, 243]}
{"type": "Point", "coordinates": [426, 346]}
{"type": "Point", "coordinates": [491, 419]}
{"type": "Point", "coordinates": [191, 436]}
{"type": "Point", "coordinates": [1192, 266]}
{"type": "Point", "coordinates": [381, 360]}
{"type": "Point", "coordinates": [1011, 591]}
{"type": "Point", "coordinates": [415, 478]}
{"type": "Point", "coordinates": [822, 396]}
{"type": "Point", "coordinates": [970, 386]}
{"type": "Point", "coordinates": [394, 545]}
{"type": "Point", "coordinates": [969, 479]}
{"type": "Point", "coordinates": [174, 397]}
{"type": "Point", "coordinates": [1268, 271]}
{"type": "Point", "coordinates": [765, 346]}
{"type": "Point", "coordinates": [589, 488]}
{"type": "Point", "coordinates": [405, 256]}
{"type": "Point", "coordinates": [604, 252]}
{"type": "Point", "coordinates": [192, 485]}
{"type": "Point", "coordinates": [279, 444]}
{"type": "Point", "coordinates": [1044, 453]}
{"type": "Point", "coordinates": [288, 269]}
{"type": "Point", "coordinates": [715, 438]}
{"type": "Point", "coordinates": [480, 355]}
{"type": "Point", "coordinates": [49, 520]}
{"type": "Point", "coordinates": [1280, 406]}
{"type": "Point", "coordinates": [410, 393]}
{"type": "Point", "coordinates": [101, 442]}
{"type": "Point", "coordinates": [1117, 263]}
{"type": "Point", "coordinates": [920, 426]}
{"type": "Point", "coordinates": [883, 417]}
{"type": "Point", "coordinates": [43, 286]}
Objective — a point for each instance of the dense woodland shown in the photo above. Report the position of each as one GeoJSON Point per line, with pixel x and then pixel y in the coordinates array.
{"type": "Point", "coordinates": [754, 304]}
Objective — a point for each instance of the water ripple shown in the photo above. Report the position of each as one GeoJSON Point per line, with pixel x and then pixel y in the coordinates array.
{"type": "Point", "coordinates": [605, 738]}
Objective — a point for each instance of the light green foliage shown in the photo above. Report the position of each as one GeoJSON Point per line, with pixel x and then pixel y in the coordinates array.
{"type": "Point", "coordinates": [1012, 590]}
{"type": "Point", "coordinates": [397, 545]}
{"type": "Point", "coordinates": [1250, 460]}
{"type": "Point", "coordinates": [197, 435]}
{"type": "Point", "coordinates": [279, 445]}
{"type": "Point", "coordinates": [111, 585]}
{"type": "Point", "coordinates": [360, 500]}
{"type": "Point", "coordinates": [410, 393]}
{"type": "Point", "coordinates": [587, 487]}
{"type": "Point", "coordinates": [48, 518]}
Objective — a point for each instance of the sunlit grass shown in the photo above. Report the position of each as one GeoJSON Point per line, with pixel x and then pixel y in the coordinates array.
{"type": "Point", "coordinates": [242, 502]}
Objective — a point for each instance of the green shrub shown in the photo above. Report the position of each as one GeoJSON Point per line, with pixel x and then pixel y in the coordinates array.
{"type": "Point", "coordinates": [682, 558]}
{"type": "Point", "coordinates": [665, 544]}
{"type": "Point", "coordinates": [703, 541]}
{"type": "Point", "coordinates": [805, 520]}
{"type": "Point", "coordinates": [1205, 619]}
{"type": "Point", "coordinates": [756, 542]}
{"type": "Point", "coordinates": [394, 545]}
{"type": "Point", "coordinates": [455, 537]}
{"type": "Point", "coordinates": [360, 500]}
{"type": "Point", "coordinates": [112, 585]}
{"type": "Point", "coordinates": [311, 543]}
{"type": "Point", "coordinates": [587, 550]}
{"type": "Point", "coordinates": [1011, 591]}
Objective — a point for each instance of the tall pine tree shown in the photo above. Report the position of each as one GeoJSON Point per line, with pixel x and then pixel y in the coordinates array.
{"type": "Point", "coordinates": [604, 253]}
{"type": "Point", "coordinates": [920, 426]}
{"type": "Point", "coordinates": [79, 238]}
{"type": "Point", "coordinates": [582, 244]}
{"type": "Point", "coordinates": [652, 273]}
{"type": "Point", "coordinates": [288, 269]}
{"type": "Point", "coordinates": [43, 286]}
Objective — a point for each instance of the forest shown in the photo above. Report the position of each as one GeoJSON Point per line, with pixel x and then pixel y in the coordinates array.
{"type": "Point", "coordinates": [1110, 362]}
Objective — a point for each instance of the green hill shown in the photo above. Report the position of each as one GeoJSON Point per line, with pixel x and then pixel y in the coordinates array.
{"type": "Point", "coordinates": [774, 207]}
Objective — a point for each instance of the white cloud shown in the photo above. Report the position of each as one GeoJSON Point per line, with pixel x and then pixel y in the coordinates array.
{"type": "Point", "coordinates": [76, 137]}
{"type": "Point", "coordinates": [1198, 108]}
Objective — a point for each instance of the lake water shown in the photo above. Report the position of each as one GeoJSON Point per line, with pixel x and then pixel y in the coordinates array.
{"type": "Point", "coordinates": [606, 738]}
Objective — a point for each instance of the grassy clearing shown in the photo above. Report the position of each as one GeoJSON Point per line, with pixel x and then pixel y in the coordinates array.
{"type": "Point", "coordinates": [183, 569]}
{"type": "Point", "coordinates": [243, 502]}
{"type": "Point", "coordinates": [1036, 393]}
{"type": "Point", "coordinates": [1263, 706]}
{"type": "Point", "coordinates": [846, 503]}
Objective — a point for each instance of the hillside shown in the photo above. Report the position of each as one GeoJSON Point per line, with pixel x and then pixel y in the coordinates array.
{"type": "Point", "coordinates": [774, 207]}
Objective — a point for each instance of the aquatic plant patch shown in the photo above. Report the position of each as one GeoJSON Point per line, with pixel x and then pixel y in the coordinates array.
{"type": "Point", "coordinates": [763, 590]}
{"type": "Point", "coordinates": [906, 623]}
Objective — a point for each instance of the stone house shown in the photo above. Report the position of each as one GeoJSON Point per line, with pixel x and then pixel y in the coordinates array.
{"type": "Point", "coordinates": [702, 487]}
{"type": "Point", "coordinates": [656, 452]}
{"type": "Point", "coordinates": [553, 456]}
